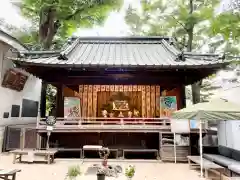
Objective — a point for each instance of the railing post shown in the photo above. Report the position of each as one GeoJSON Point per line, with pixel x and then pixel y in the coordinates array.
{"type": "Point", "coordinates": [164, 122]}
{"type": "Point", "coordinates": [122, 122]}
{"type": "Point", "coordinates": [38, 121]}
{"type": "Point", "coordinates": [100, 122]}
{"type": "Point", "coordinates": [22, 138]}
{"type": "Point", "coordinates": [80, 122]}
{"type": "Point", "coordinates": [38, 144]}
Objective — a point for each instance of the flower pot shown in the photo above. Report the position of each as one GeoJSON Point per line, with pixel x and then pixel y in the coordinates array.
{"type": "Point", "coordinates": [100, 176]}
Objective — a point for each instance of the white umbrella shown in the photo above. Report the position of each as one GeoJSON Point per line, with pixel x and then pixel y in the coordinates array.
{"type": "Point", "coordinates": [216, 109]}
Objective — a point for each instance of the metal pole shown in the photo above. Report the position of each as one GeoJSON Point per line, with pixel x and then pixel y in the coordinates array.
{"type": "Point", "coordinates": [175, 150]}
{"type": "Point", "coordinates": [48, 137]}
{"type": "Point", "coordinates": [201, 145]}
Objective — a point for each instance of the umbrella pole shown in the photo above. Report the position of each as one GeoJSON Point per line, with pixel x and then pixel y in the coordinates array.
{"type": "Point", "coordinates": [175, 150]}
{"type": "Point", "coordinates": [201, 147]}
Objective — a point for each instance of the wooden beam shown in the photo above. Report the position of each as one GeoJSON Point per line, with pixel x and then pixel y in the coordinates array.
{"type": "Point", "coordinates": [137, 76]}
{"type": "Point", "coordinates": [107, 81]}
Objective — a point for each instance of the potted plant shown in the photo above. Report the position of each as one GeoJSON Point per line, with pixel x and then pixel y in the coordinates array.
{"type": "Point", "coordinates": [101, 173]}
{"type": "Point", "coordinates": [73, 172]}
{"type": "Point", "coordinates": [104, 153]}
{"type": "Point", "coordinates": [129, 172]}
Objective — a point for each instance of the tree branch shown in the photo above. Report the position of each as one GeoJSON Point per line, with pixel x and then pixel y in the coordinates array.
{"type": "Point", "coordinates": [179, 42]}
{"type": "Point", "coordinates": [79, 10]}
{"type": "Point", "coordinates": [181, 24]}
{"type": "Point", "coordinates": [30, 9]}
{"type": "Point", "coordinates": [74, 14]}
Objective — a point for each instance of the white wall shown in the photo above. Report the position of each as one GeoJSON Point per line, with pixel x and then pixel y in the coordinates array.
{"type": "Point", "coordinates": [229, 133]}
{"type": "Point", "coordinates": [8, 97]}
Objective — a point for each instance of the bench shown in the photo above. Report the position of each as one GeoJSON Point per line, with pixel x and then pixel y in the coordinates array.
{"type": "Point", "coordinates": [228, 158]}
{"type": "Point", "coordinates": [90, 148]}
{"type": "Point", "coordinates": [207, 165]}
{"type": "Point", "coordinates": [8, 174]}
{"type": "Point", "coordinates": [17, 155]}
{"type": "Point", "coordinates": [141, 150]}
{"type": "Point", "coordinates": [48, 155]}
{"type": "Point", "coordinates": [235, 169]}
{"type": "Point", "coordinates": [96, 148]}
{"type": "Point", "coordinates": [221, 160]}
{"type": "Point", "coordinates": [71, 150]}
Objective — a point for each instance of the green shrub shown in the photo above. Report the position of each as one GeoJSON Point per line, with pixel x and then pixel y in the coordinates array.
{"type": "Point", "coordinates": [73, 172]}
{"type": "Point", "coordinates": [130, 171]}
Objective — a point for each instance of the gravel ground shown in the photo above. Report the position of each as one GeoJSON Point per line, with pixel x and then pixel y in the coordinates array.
{"type": "Point", "coordinates": [145, 169]}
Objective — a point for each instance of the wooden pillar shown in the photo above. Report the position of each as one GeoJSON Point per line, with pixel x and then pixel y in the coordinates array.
{"type": "Point", "coordinates": [60, 101]}
{"type": "Point", "coordinates": [43, 99]}
{"type": "Point", "coordinates": [183, 97]}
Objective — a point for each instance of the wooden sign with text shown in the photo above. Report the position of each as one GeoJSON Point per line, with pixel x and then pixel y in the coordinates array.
{"type": "Point", "coordinates": [14, 80]}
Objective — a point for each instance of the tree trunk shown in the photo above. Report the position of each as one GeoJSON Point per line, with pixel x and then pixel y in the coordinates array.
{"type": "Point", "coordinates": [195, 86]}
{"type": "Point", "coordinates": [196, 92]}
{"type": "Point", "coordinates": [48, 26]}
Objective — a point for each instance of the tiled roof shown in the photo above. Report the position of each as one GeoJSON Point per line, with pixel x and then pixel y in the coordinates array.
{"type": "Point", "coordinates": [10, 40]}
{"type": "Point", "coordinates": [121, 52]}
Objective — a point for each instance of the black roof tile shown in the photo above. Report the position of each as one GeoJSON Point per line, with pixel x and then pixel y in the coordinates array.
{"type": "Point", "coordinates": [120, 52]}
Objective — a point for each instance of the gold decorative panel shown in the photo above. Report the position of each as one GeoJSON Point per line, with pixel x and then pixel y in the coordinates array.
{"type": "Point", "coordinates": [148, 100]}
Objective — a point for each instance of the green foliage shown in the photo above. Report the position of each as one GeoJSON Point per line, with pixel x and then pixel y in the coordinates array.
{"type": "Point", "coordinates": [72, 14]}
{"type": "Point", "coordinates": [73, 172]}
{"type": "Point", "coordinates": [175, 18]}
{"type": "Point", "coordinates": [30, 39]}
{"type": "Point", "coordinates": [226, 24]}
{"type": "Point", "coordinates": [50, 98]}
{"type": "Point", "coordinates": [130, 171]}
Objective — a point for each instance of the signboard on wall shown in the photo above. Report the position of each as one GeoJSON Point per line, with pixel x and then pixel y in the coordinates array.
{"type": "Point", "coordinates": [168, 104]}
{"type": "Point", "coordinates": [14, 80]}
{"type": "Point", "coordinates": [72, 107]}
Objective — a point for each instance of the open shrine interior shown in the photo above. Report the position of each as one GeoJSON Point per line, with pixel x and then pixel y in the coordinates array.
{"type": "Point", "coordinates": [118, 101]}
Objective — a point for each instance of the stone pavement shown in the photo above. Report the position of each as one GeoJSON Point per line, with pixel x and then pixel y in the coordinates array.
{"type": "Point", "coordinates": [145, 169]}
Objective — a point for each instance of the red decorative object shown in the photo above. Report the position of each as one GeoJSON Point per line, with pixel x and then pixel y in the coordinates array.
{"type": "Point", "coordinates": [105, 162]}
{"type": "Point", "coordinates": [14, 80]}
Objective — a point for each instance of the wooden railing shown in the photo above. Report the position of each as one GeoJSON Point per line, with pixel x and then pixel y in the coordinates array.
{"type": "Point", "coordinates": [107, 123]}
